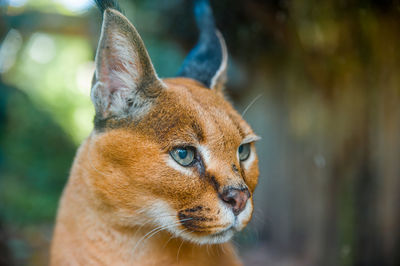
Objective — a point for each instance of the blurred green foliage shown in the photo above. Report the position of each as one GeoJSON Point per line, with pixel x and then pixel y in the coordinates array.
{"type": "Point", "coordinates": [35, 161]}
{"type": "Point", "coordinates": [55, 72]}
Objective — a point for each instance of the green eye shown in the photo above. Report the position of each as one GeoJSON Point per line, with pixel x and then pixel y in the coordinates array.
{"type": "Point", "coordinates": [183, 155]}
{"type": "Point", "coordinates": [244, 151]}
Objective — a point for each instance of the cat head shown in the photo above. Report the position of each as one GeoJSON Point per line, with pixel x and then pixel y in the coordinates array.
{"type": "Point", "coordinates": [169, 153]}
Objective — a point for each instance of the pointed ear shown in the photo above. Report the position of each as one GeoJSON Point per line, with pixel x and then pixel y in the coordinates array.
{"type": "Point", "coordinates": [207, 61]}
{"type": "Point", "coordinates": [125, 82]}
{"type": "Point", "coordinates": [219, 79]}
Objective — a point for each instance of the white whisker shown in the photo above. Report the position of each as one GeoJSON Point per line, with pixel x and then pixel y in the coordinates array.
{"type": "Point", "coordinates": [172, 236]}
{"type": "Point", "coordinates": [222, 247]}
{"type": "Point", "coordinates": [157, 230]}
{"type": "Point", "coordinates": [177, 254]}
{"type": "Point", "coordinates": [149, 221]}
{"type": "Point", "coordinates": [251, 103]}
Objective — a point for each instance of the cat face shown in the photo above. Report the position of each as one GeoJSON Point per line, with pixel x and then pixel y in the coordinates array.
{"type": "Point", "coordinates": [204, 197]}
{"type": "Point", "coordinates": [169, 154]}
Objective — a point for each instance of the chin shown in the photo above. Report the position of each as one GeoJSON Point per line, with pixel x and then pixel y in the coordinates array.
{"type": "Point", "coordinates": [216, 238]}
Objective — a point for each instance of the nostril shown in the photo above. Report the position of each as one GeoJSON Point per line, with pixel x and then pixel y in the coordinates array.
{"type": "Point", "coordinates": [236, 199]}
{"type": "Point", "coordinates": [230, 197]}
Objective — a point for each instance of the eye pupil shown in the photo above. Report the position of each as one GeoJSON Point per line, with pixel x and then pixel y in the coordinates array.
{"type": "Point", "coordinates": [182, 153]}
{"type": "Point", "coordinates": [184, 156]}
{"type": "Point", "coordinates": [244, 151]}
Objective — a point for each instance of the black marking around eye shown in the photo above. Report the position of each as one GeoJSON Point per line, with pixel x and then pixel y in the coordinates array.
{"type": "Point", "coordinates": [243, 174]}
{"type": "Point", "coordinates": [214, 182]}
{"type": "Point", "coordinates": [200, 164]}
{"type": "Point", "coordinates": [234, 168]}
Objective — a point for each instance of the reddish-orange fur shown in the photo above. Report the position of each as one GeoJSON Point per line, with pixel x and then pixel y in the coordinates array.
{"type": "Point", "coordinates": [122, 185]}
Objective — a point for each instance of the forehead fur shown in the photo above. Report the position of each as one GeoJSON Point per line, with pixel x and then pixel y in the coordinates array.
{"type": "Point", "coordinates": [188, 113]}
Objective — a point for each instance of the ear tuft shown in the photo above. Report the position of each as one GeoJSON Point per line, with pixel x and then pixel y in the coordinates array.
{"type": "Point", "coordinates": [207, 61]}
{"type": "Point", "coordinates": [125, 82]}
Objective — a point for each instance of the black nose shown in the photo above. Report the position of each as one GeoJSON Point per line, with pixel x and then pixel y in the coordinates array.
{"type": "Point", "coordinates": [236, 198]}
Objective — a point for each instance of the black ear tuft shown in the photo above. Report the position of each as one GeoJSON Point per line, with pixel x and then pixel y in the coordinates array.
{"type": "Point", "coordinates": [207, 61]}
{"type": "Point", "coordinates": [104, 4]}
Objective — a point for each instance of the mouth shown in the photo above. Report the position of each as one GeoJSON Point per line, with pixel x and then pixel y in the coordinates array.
{"type": "Point", "coordinates": [201, 236]}
{"type": "Point", "coordinates": [224, 232]}
{"type": "Point", "coordinates": [205, 229]}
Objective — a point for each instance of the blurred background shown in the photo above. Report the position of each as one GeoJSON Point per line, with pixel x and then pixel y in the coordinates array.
{"type": "Point", "coordinates": [318, 80]}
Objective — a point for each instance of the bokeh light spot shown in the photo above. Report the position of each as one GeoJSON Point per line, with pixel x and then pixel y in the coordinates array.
{"type": "Point", "coordinates": [17, 3]}
{"type": "Point", "coordinates": [76, 5]}
{"type": "Point", "coordinates": [42, 48]}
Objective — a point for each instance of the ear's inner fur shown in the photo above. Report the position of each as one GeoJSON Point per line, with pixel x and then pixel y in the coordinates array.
{"type": "Point", "coordinates": [125, 82]}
